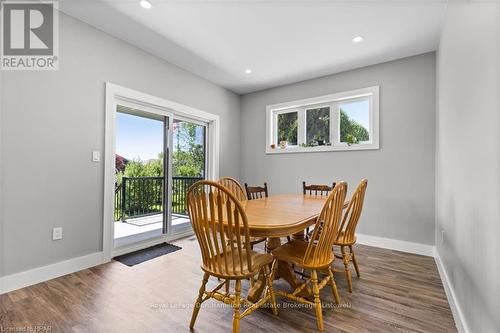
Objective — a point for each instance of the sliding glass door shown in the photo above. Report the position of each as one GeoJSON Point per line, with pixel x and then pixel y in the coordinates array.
{"type": "Point", "coordinates": [157, 158]}
{"type": "Point", "coordinates": [189, 165]}
{"type": "Point", "coordinates": [141, 173]}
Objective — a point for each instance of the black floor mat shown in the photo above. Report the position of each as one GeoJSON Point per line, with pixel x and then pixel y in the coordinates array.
{"type": "Point", "coordinates": [134, 258]}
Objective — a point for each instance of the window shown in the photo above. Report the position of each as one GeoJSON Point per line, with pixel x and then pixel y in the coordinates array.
{"type": "Point", "coordinates": [317, 125]}
{"type": "Point", "coordinates": [355, 121]}
{"type": "Point", "coordinates": [287, 128]}
{"type": "Point", "coordinates": [342, 121]}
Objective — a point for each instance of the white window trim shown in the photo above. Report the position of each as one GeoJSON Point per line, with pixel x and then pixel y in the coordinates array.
{"type": "Point", "coordinates": [331, 100]}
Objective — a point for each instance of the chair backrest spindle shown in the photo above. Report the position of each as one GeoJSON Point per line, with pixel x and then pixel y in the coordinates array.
{"type": "Point", "coordinates": [234, 187]}
{"type": "Point", "coordinates": [216, 213]}
{"type": "Point", "coordinates": [315, 188]}
{"type": "Point", "coordinates": [327, 227]}
{"type": "Point", "coordinates": [256, 192]}
{"type": "Point", "coordinates": [353, 213]}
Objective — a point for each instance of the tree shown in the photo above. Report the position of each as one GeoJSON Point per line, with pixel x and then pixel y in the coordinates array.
{"type": "Point", "coordinates": [154, 167]}
{"type": "Point", "coordinates": [120, 162]}
{"type": "Point", "coordinates": [350, 130]}
{"type": "Point", "coordinates": [188, 158]}
{"type": "Point", "coordinates": [142, 195]}
{"type": "Point", "coordinates": [139, 168]}
{"type": "Point", "coordinates": [318, 124]}
{"type": "Point", "coordinates": [145, 195]}
{"type": "Point", "coordinates": [287, 127]}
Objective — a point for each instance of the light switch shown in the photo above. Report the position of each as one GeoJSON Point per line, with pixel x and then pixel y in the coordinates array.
{"type": "Point", "coordinates": [96, 156]}
{"type": "Point", "coordinates": [57, 233]}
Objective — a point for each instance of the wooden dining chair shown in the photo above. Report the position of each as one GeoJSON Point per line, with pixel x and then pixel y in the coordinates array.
{"type": "Point", "coordinates": [322, 189]}
{"type": "Point", "coordinates": [347, 236]}
{"type": "Point", "coordinates": [317, 255]}
{"type": "Point", "coordinates": [237, 190]}
{"type": "Point", "coordinates": [256, 192]}
{"type": "Point", "coordinates": [234, 187]}
{"type": "Point", "coordinates": [215, 212]}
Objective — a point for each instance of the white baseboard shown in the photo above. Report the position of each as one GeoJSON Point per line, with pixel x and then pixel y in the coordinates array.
{"type": "Point", "coordinates": [41, 274]}
{"type": "Point", "coordinates": [395, 244]}
{"type": "Point", "coordinates": [45, 273]}
{"type": "Point", "coordinates": [458, 315]}
{"type": "Point", "coordinates": [427, 250]}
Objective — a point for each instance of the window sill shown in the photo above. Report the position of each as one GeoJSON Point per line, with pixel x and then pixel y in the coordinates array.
{"type": "Point", "coordinates": [317, 149]}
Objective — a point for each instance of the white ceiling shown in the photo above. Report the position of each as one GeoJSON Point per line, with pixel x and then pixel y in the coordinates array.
{"type": "Point", "coordinates": [282, 41]}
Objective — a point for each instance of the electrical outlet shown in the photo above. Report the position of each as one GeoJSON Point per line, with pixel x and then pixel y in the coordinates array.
{"type": "Point", "coordinates": [442, 236]}
{"type": "Point", "coordinates": [57, 233]}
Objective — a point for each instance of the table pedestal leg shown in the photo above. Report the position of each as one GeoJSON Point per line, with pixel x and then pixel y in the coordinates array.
{"type": "Point", "coordinates": [285, 271]}
{"type": "Point", "coordinates": [255, 291]}
{"type": "Point", "coordinates": [272, 243]}
{"type": "Point", "coordinates": [299, 236]}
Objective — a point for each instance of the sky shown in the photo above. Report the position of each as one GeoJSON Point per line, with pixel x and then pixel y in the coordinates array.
{"type": "Point", "coordinates": [358, 111]}
{"type": "Point", "coordinates": [138, 137]}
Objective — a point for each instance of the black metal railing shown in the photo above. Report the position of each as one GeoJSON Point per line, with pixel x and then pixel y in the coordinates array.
{"type": "Point", "coordinates": [118, 202]}
{"type": "Point", "coordinates": [180, 185]}
{"type": "Point", "coordinates": [142, 196]}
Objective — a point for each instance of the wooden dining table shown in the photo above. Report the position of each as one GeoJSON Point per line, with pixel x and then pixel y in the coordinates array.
{"type": "Point", "coordinates": [281, 216]}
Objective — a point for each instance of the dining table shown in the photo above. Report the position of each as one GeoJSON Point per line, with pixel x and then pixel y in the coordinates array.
{"type": "Point", "coordinates": [280, 216]}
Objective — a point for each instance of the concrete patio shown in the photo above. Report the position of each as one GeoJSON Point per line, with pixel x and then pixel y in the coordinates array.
{"type": "Point", "coordinates": [131, 231]}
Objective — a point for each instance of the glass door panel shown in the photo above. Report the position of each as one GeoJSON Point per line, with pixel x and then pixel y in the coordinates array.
{"type": "Point", "coordinates": [188, 166]}
{"type": "Point", "coordinates": [140, 160]}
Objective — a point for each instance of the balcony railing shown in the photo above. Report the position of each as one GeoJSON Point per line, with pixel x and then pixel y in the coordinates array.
{"type": "Point", "coordinates": [180, 185]}
{"type": "Point", "coordinates": [142, 196]}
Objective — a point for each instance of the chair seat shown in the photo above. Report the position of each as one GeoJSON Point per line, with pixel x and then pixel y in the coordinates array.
{"type": "Point", "coordinates": [294, 252]}
{"type": "Point", "coordinates": [340, 240]}
{"type": "Point", "coordinates": [258, 260]}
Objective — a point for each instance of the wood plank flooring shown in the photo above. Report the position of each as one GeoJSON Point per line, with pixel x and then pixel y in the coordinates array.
{"type": "Point", "coordinates": [397, 292]}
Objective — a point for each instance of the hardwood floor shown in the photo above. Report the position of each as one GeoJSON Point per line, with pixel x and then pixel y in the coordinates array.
{"type": "Point", "coordinates": [397, 292]}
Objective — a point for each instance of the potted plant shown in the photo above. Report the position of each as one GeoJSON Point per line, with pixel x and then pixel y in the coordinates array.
{"type": "Point", "coordinates": [309, 144]}
{"type": "Point", "coordinates": [320, 140]}
{"type": "Point", "coordinates": [283, 143]}
{"type": "Point", "coordinates": [351, 139]}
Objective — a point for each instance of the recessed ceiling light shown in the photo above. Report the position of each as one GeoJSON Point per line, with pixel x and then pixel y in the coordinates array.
{"type": "Point", "coordinates": [248, 71]}
{"type": "Point", "coordinates": [146, 4]}
{"type": "Point", "coordinates": [358, 39]}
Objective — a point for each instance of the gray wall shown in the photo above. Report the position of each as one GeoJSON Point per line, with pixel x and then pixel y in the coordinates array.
{"type": "Point", "coordinates": [400, 195]}
{"type": "Point", "coordinates": [2, 234]}
{"type": "Point", "coordinates": [50, 123]}
{"type": "Point", "coordinates": [468, 160]}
